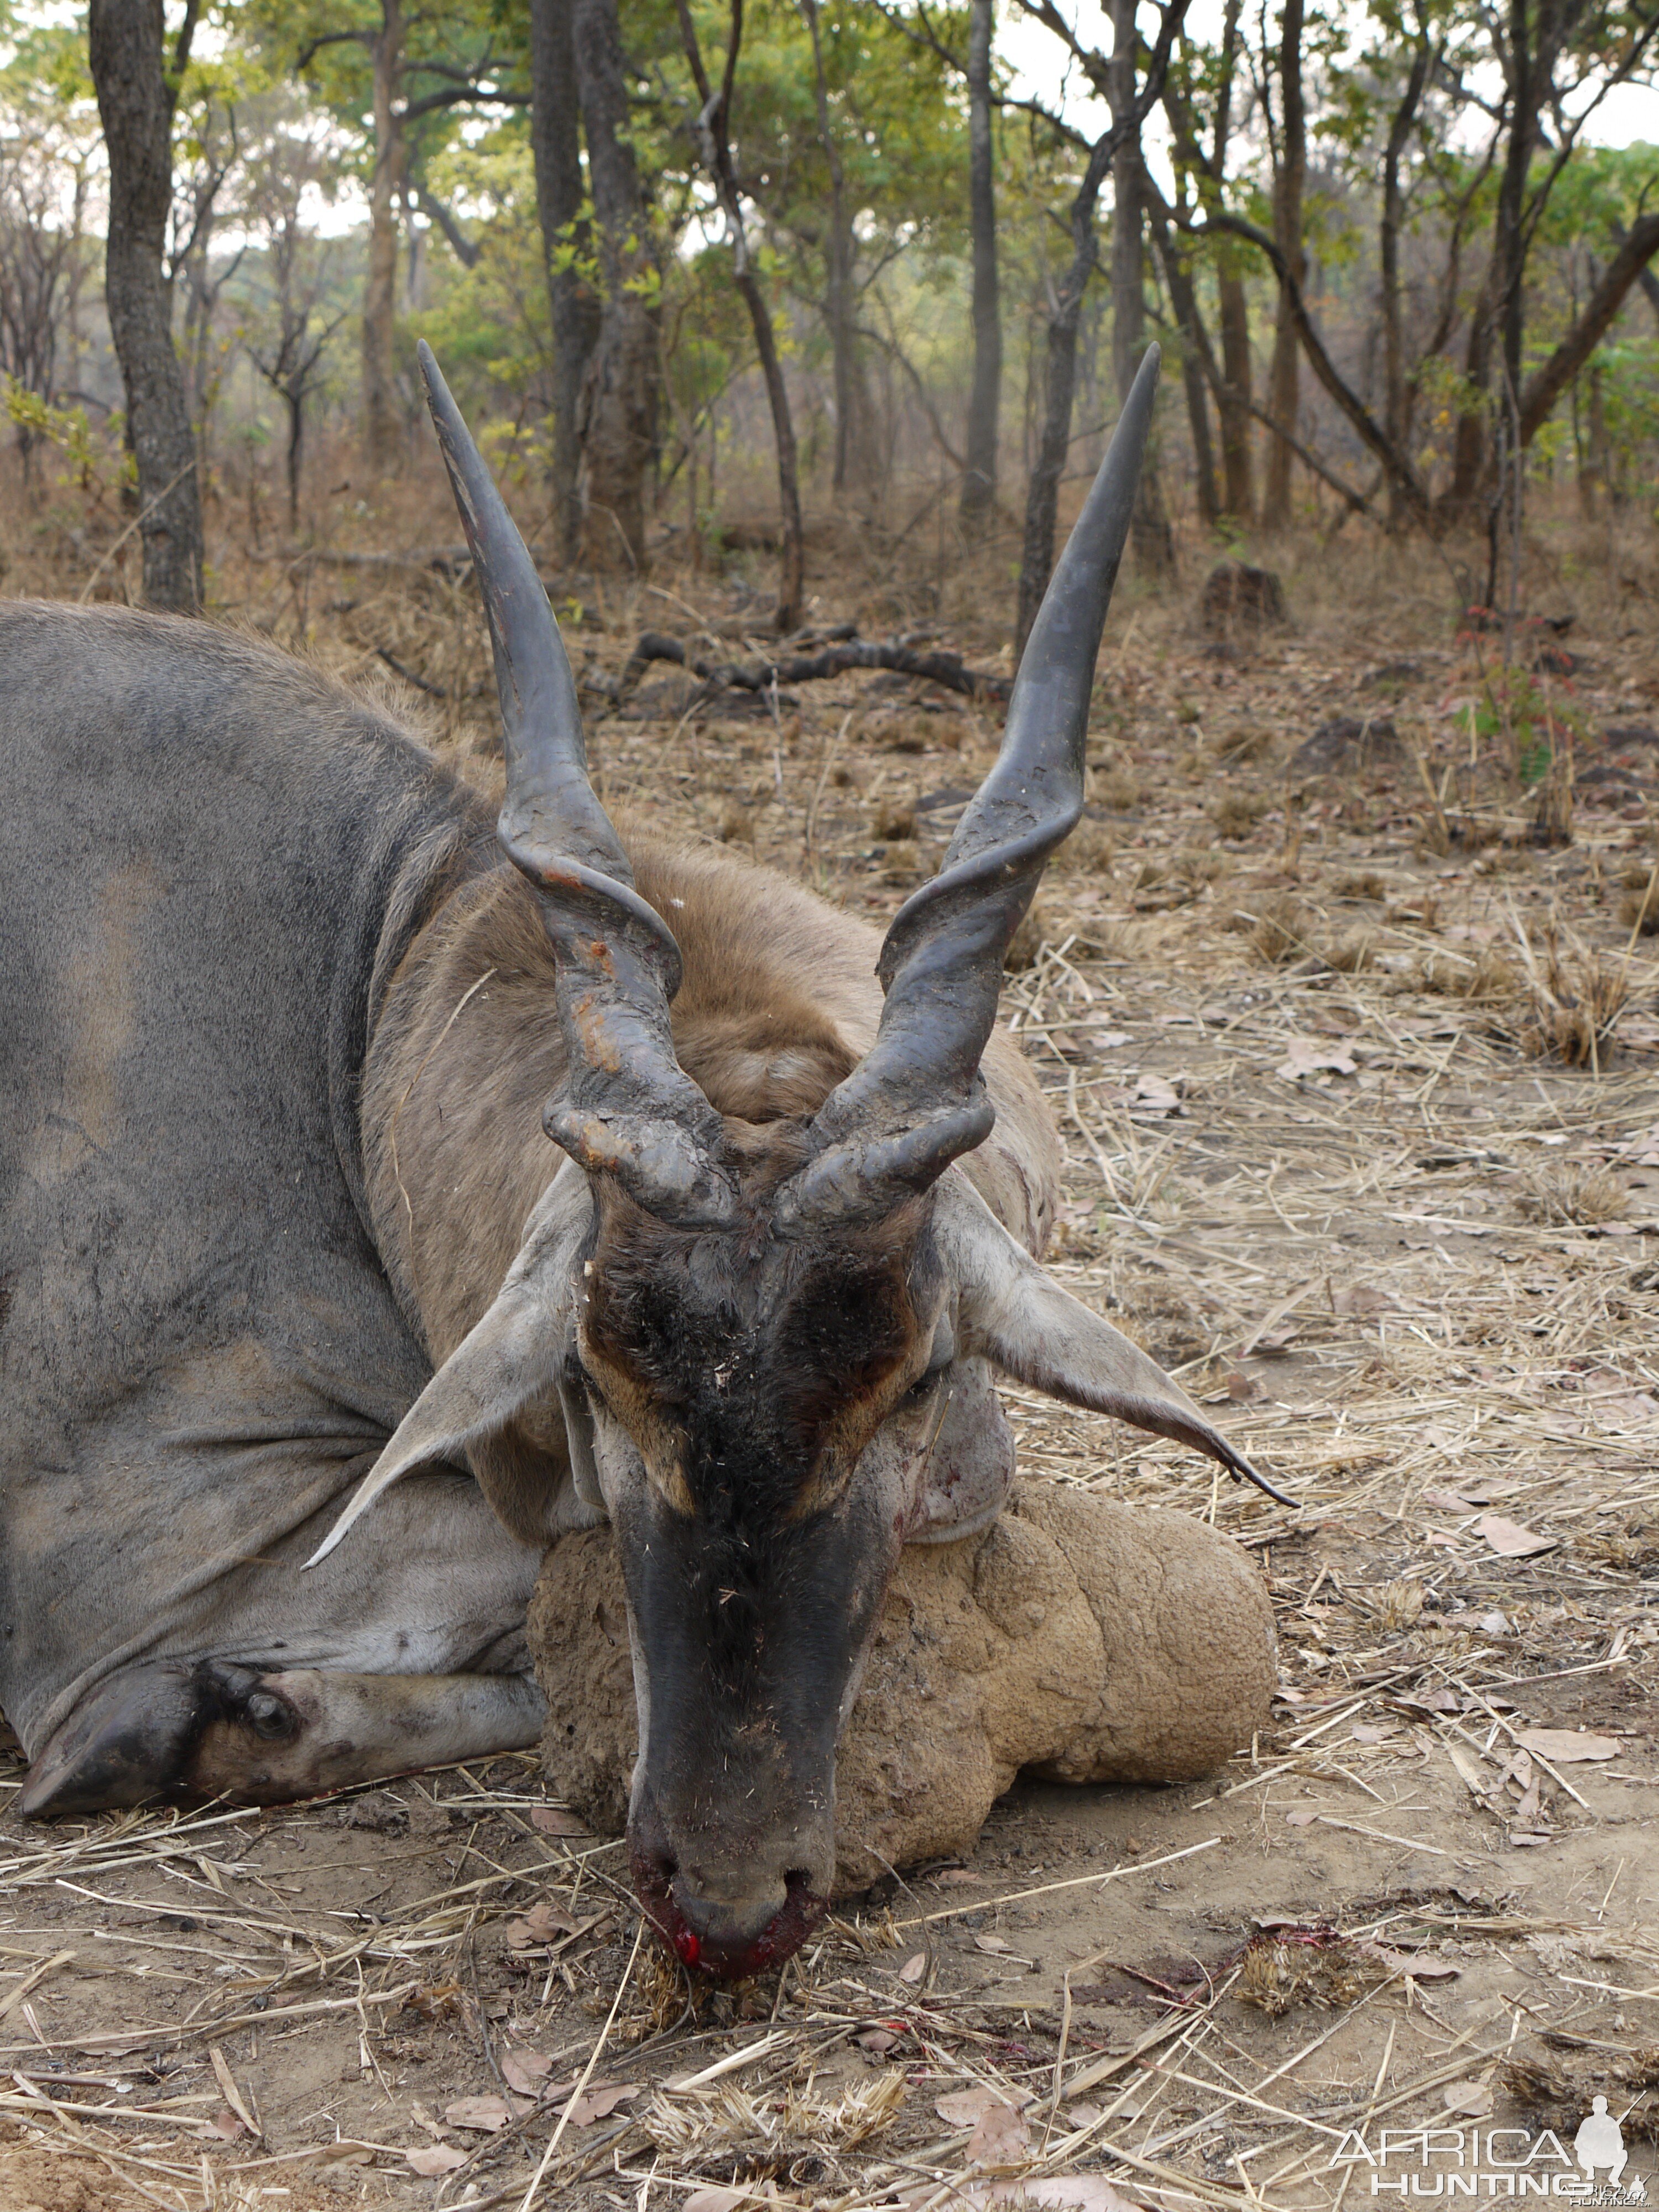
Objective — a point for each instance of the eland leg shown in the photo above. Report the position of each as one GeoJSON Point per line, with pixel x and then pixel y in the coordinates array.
{"type": "Point", "coordinates": [170, 1729]}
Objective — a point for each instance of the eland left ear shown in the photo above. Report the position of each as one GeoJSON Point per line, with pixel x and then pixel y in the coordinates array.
{"type": "Point", "coordinates": [1015, 1315]}
{"type": "Point", "coordinates": [512, 1357]}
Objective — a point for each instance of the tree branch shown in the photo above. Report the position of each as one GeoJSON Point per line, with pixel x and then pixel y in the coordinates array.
{"type": "Point", "coordinates": [1400, 470]}
{"type": "Point", "coordinates": [1545, 384]}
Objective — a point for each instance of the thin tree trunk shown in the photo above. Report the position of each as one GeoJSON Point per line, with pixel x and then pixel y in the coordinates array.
{"type": "Point", "coordinates": [714, 145]}
{"type": "Point", "coordinates": [1237, 467]}
{"type": "Point", "coordinates": [555, 146]}
{"type": "Point", "coordinates": [1290, 179]}
{"type": "Point", "coordinates": [852, 451]}
{"type": "Point", "coordinates": [1394, 412]}
{"type": "Point", "coordinates": [1233, 395]}
{"type": "Point", "coordinates": [137, 90]}
{"type": "Point", "coordinates": [617, 415]}
{"type": "Point", "coordinates": [1469, 437]}
{"type": "Point", "coordinates": [979, 481]}
{"type": "Point", "coordinates": [296, 442]}
{"type": "Point", "coordinates": [1198, 364]}
{"type": "Point", "coordinates": [382, 422]}
{"type": "Point", "coordinates": [1154, 544]}
{"type": "Point", "coordinates": [1036, 558]}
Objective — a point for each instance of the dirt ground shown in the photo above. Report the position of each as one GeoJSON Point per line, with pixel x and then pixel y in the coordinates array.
{"type": "Point", "coordinates": [1359, 1086]}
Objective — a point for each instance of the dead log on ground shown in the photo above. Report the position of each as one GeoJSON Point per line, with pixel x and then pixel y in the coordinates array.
{"type": "Point", "coordinates": [946, 669]}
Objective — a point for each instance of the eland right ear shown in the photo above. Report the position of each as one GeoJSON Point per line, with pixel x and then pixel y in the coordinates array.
{"type": "Point", "coordinates": [1013, 1314]}
{"type": "Point", "coordinates": [513, 1355]}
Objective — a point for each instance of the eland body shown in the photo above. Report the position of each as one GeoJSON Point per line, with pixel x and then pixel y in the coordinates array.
{"type": "Point", "coordinates": [283, 1037]}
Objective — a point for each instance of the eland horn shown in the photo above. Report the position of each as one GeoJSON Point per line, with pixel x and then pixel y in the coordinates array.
{"type": "Point", "coordinates": [916, 1101]}
{"type": "Point", "coordinates": [626, 1108]}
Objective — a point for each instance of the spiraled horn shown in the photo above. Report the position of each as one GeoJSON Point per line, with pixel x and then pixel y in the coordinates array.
{"type": "Point", "coordinates": [626, 1108]}
{"type": "Point", "coordinates": [916, 1102]}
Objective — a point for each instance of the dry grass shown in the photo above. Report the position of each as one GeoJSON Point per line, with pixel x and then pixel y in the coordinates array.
{"type": "Point", "coordinates": [1572, 1195]}
{"type": "Point", "coordinates": [1236, 813]}
{"type": "Point", "coordinates": [1568, 998]}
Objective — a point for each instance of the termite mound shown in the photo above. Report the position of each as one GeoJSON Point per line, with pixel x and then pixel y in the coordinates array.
{"type": "Point", "coordinates": [1080, 1640]}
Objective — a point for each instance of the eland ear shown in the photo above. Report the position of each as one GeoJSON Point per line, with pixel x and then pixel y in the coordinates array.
{"type": "Point", "coordinates": [512, 1357]}
{"type": "Point", "coordinates": [1019, 1317]}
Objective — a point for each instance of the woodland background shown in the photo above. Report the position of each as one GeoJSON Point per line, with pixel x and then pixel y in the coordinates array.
{"type": "Point", "coordinates": [697, 270]}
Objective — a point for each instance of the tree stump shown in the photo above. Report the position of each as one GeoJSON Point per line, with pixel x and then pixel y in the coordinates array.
{"type": "Point", "coordinates": [1080, 1639]}
{"type": "Point", "coordinates": [1239, 599]}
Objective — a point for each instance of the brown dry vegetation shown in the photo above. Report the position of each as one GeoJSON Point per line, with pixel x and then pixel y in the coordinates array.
{"type": "Point", "coordinates": [1375, 1169]}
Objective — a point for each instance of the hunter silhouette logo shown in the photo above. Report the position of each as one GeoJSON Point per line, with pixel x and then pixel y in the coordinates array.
{"type": "Point", "coordinates": [1498, 2161]}
{"type": "Point", "coordinates": [1601, 2141]}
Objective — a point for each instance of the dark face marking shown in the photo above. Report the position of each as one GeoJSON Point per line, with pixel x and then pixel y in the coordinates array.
{"type": "Point", "coordinates": [751, 1382]}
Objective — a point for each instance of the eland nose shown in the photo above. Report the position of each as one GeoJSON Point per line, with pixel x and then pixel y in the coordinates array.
{"type": "Point", "coordinates": [726, 1910]}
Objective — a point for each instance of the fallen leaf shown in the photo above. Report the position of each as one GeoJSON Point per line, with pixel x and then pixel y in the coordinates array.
{"type": "Point", "coordinates": [1509, 1540]}
{"type": "Point", "coordinates": [965, 2108]}
{"type": "Point", "coordinates": [1300, 1819]}
{"type": "Point", "coordinates": [1083, 2116]}
{"type": "Point", "coordinates": [879, 2040]}
{"type": "Point", "coordinates": [1365, 1732]}
{"type": "Point", "coordinates": [555, 1821]}
{"type": "Point", "coordinates": [225, 2124]}
{"type": "Point", "coordinates": [1473, 2099]}
{"type": "Point", "coordinates": [1447, 1501]}
{"type": "Point", "coordinates": [1154, 1095]}
{"type": "Point", "coordinates": [1440, 1700]}
{"type": "Point", "coordinates": [717, 2200]}
{"type": "Point", "coordinates": [538, 1926]}
{"type": "Point", "coordinates": [1496, 1624]}
{"type": "Point", "coordinates": [1469, 1765]}
{"type": "Point", "coordinates": [1000, 2137]}
{"type": "Point", "coordinates": [598, 2103]}
{"type": "Point", "coordinates": [435, 2157]}
{"type": "Point", "coordinates": [991, 1943]}
{"type": "Point", "coordinates": [488, 2113]}
{"type": "Point", "coordinates": [1306, 1057]}
{"type": "Point", "coordinates": [1569, 1747]}
{"type": "Point", "coordinates": [524, 2071]}
{"type": "Point", "coordinates": [914, 1969]}
{"type": "Point", "coordinates": [1359, 1298]}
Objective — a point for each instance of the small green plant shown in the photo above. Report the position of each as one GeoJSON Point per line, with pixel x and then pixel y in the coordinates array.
{"type": "Point", "coordinates": [1524, 721]}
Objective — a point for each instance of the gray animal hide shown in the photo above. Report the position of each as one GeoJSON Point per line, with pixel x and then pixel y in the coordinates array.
{"type": "Point", "coordinates": [211, 863]}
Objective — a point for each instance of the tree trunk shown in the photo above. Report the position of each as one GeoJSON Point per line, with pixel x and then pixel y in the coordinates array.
{"type": "Point", "coordinates": [617, 416]}
{"type": "Point", "coordinates": [1394, 412]}
{"type": "Point", "coordinates": [296, 443]}
{"type": "Point", "coordinates": [1289, 180]}
{"type": "Point", "coordinates": [853, 456]}
{"type": "Point", "coordinates": [1198, 371]}
{"type": "Point", "coordinates": [382, 419]}
{"type": "Point", "coordinates": [715, 146]}
{"type": "Point", "coordinates": [1154, 544]}
{"type": "Point", "coordinates": [137, 94]}
{"type": "Point", "coordinates": [791, 567]}
{"type": "Point", "coordinates": [555, 146]}
{"type": "Point", "coordinates": [1238, 469]}
{"type": "Point", "coordinates": [979, 481]}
